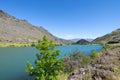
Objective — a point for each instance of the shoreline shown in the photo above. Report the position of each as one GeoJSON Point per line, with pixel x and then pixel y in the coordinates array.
{"type": "Point", "coordinates": [14, 45]}
{"type": "Point", "coordinates": [32, 44]}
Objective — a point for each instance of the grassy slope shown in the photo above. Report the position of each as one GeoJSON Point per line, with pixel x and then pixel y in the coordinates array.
{"type": "Point", "coordinates": [113, 36]}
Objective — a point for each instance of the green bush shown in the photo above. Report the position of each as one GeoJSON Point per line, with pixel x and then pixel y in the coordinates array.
{"type": "Point", "coordinates": [75, 60]}
{"type": "Point", "coordinates": [47, 65]}
{"type": "Point", "coordinates": [33, 45]}
{"type": "Point", "coordinates": [94, 55]}
{"type": "Point", "coordinates": [106, 46]}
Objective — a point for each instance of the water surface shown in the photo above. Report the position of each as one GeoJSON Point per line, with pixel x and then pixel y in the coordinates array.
{"type": "Point", "coordinates": [13, 59]}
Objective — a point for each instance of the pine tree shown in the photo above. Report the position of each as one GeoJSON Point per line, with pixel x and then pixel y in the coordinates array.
{"type": "Point", "coordinates": [47, 65]}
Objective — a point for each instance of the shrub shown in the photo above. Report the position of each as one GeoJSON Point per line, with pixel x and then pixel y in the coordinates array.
{"type": "Point", "coordinates": [106, 46]}
{"type": "Point", "coordinates": [47, 66]}
{"type": "Point", "coordinates": [94, 55]}
{"type": "Point", "coordinates": [75, 60]}
{"type": "Point", "coordinates": [33, 45]}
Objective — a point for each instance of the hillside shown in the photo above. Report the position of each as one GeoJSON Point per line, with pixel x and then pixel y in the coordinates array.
{"type": "Point", "coordinates": [82, 41]}
{"type": "Point", "coordinates": [111, 38]}
{"type": "Point", "coordinates": [106, 67]}
{"type": "Point", "coordinates": [13, 30]}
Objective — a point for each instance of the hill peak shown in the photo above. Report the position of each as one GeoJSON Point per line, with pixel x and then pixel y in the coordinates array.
{"type": "Point", "coordinates": [82, 41]}
{"type": "Point", "coordinates": [2, 11]}
{"type": "Point", "coordinates": [3, 14]}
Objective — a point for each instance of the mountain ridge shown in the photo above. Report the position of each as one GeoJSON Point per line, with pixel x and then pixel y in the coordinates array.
{"type": "Point", "coordinates": [77, 39]}
{"type": "Point", "coordinates": [14, 30]}
{"type": "Point", "coordinates": [110, 38]}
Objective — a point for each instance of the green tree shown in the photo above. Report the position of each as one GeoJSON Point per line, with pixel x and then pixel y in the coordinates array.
{"type": "Point", "coordinates": [47, 65]}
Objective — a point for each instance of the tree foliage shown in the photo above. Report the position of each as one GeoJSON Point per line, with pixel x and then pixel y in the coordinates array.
{"type": "Point", "coordinates": [47, 65]}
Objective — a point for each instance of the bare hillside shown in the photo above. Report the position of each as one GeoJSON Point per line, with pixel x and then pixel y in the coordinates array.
{"type": "Point", "coordinates": [14, 30]}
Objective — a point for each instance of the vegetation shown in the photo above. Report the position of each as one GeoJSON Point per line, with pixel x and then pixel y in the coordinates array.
{"type": "Point", "coordinates": [47, 65]}
{"type": "Point", "coordinates": [33, 45]}
{"type": "Point", "coordinates": [111, 38]}
{"type": "Point", "coordinates": [75, 60]}
{"type": "Point", "coordinates": [13, 45]}
{"type": "Point", "coordinates": [63, 76]}
{"type": "Point", "coordinates": [106, 67]}
{"type": "Point", "coordinates": [94, 55]}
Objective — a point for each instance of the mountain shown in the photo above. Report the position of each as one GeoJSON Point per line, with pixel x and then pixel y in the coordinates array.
{"type": "Point", "coordinates": [77, 39]}
{"type": "Point", "coordinates": [90, 40]}
{"type": "Point", "coordinates": [13, 30]}
{"type": "Point", "coordinates": [82, 41]}
{"type": "Point", "coordinates": [111, 38]}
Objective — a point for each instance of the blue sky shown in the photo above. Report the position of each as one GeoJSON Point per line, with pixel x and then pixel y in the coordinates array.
{"type": "Point", "coordinates": [68, 18]}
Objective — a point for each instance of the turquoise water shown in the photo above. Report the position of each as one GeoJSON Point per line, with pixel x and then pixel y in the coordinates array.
{"type": "Point", "coordinates": [13, 59]}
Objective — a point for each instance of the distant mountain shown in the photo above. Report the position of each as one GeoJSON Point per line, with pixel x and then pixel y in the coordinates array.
{"type": "Point", "coordinates": [13, 30]}
{"type": "Point", "coordinates": [77, 39]}
{"type": "Point", "coordinates": [90, 40]}
{"type": "Point", "coordinates": [111, 38]}
{"type": "Point", "coordinates": [82, 41]}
